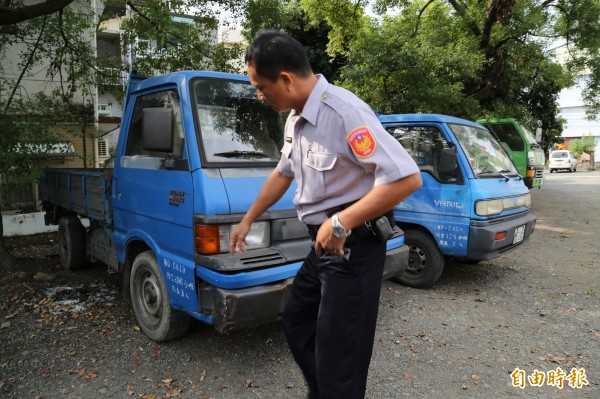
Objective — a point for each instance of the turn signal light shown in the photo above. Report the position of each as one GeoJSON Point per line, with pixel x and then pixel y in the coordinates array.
{"type": "Point", "coordinates": [208, 239]}
{"type": "Point", "coordinates": [500, 236]}
{"type": "Point", "coordinates": [529, 173]}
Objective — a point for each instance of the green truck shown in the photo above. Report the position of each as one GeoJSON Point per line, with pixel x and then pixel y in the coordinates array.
{"type": "Point", "coordinates": [524, 148]}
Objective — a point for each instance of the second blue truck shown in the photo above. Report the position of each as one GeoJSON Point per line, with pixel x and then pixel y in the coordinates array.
{"type": "Point", "coordinates": [473, 204]}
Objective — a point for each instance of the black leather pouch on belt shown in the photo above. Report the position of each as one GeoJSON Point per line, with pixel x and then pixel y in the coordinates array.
{"type": "Point", "coordinates": [379, 229]}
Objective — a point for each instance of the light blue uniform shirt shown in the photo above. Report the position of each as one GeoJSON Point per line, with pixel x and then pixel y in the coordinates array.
{"type": "Point", "coordinates": [331, 155]}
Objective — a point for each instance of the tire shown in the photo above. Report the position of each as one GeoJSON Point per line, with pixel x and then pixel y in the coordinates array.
{"type": "Point", "coordinates": [425, 261]}
{"type": "Point", "coordinates": [71, 243]}
{"type": "Point", "coordinates": [150, 301]}
{"type": "Point", "coordinates": [551, 170]}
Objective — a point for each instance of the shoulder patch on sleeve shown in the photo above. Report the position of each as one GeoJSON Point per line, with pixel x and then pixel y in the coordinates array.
{"type": "Point", "coordinates": [362, 142]}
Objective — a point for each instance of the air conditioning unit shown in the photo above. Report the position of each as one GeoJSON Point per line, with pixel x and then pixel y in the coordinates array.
{"type": "Point", "coordinates": [104, 109]}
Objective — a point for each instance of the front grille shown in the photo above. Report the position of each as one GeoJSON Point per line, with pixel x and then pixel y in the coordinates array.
{"type": "Point", "coordinates": [269, 259]}
{"type": "Point", "coordinates": [539, 173]}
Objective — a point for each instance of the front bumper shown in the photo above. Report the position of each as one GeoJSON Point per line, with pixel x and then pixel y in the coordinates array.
{"type": "Point", "coordinates": [536, 179]}
{"type": "Point", "coordinates": [483, 245]}
{"type": "Point", "coordinates": [233, 309]}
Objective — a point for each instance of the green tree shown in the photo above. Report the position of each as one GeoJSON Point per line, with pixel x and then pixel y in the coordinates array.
{"type": "Point", "coordinates": [55, 42]}
{"type": "Point", "coordinates": [56, 37]}
{"type": "Point", "coordinates": [288, 16]}
{"type": "Point", "coordinates": [479, 58]}
{"type": "Point", "coordinates": [585, 144]}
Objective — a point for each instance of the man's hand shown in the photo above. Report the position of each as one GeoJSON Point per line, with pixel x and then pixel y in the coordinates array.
{"type": "Point", "coordinates": [238, 238]}
{"type": "Point", "coordinates": [326, 241]}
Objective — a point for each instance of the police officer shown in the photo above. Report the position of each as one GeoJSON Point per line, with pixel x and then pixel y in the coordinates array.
{"type": "Point", "coordinates": [348, 171]}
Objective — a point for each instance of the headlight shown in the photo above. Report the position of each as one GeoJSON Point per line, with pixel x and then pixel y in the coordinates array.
{"type": "Point", "coordinates": [496, 206]}
{"type": "Point", "coordinates": [213, 239]}
{"type": "Point", "coordinates": [489, 207]}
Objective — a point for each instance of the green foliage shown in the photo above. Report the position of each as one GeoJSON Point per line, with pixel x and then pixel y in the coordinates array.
{"type": "Point", "coordinates": [468, 58]}
{"type": "Point", "coordinates": [396, 70]}
{"type": "Point", "coordinates": [289, 17]}
{"type": "Point", "coordinates": [584, 144]}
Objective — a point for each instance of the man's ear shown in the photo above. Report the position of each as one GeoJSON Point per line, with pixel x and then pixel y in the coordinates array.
{"type": "Point", "coordinates": [287, 78]}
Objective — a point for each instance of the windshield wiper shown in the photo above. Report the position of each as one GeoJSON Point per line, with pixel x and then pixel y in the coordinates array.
{"type": "Point", "coordinates": [492, 173]}
{"type": "Point", "coordinates": [242, 154]}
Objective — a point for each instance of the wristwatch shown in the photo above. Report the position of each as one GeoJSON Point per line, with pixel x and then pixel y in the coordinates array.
{"type": "Point", "coordinates": [338, 229]}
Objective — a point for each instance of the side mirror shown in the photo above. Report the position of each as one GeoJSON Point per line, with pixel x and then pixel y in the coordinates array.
{"type": "Point", "coordinates": [538, 134]}
{"type": "Point", "coordinates": [448, 163]}
{"type": "Point", "coordinates": [157, 129]}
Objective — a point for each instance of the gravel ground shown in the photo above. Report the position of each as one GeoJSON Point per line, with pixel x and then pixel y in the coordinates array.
{"type": "Point", "coordinates": [68, 335]}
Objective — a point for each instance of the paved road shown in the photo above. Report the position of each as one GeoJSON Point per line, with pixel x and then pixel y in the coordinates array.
{"type": "Point", "coordinates": [534, 309]}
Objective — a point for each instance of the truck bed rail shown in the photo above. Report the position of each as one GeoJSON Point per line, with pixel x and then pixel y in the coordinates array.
{"type": "Point", "coordinates": [83, 191]}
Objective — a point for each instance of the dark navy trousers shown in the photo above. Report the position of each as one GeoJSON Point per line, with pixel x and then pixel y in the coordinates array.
{"type": "Point", "coordinates": [330, 318]}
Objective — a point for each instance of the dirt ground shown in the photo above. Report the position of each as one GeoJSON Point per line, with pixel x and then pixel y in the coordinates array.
{"type": "Point", "coordinates": [490, 330]}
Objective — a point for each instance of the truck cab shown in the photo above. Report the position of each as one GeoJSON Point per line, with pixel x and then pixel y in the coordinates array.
{"type": "Point", "coordinates": [473, 204]}
{"type": "Point", "coordinates": [523, 147]}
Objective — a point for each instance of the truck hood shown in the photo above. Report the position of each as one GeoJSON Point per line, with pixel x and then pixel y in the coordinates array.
{"type": "Point", "coordinates": [234, 190]}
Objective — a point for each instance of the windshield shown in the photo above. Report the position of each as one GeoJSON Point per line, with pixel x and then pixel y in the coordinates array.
{"type": "Point", "coordinates": [235, 127]}
{"type": "Point", "coordinates": [559, 154]}
{"type": "Point", "coordinates": [528, 135]}
{"type": "Point", "coordinates": [485, 154]}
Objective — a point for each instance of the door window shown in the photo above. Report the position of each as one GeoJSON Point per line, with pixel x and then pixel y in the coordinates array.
{"type": "Point", "coordinates": [135, 154]}
{"type": "Point", "coordinates": [424, 144]}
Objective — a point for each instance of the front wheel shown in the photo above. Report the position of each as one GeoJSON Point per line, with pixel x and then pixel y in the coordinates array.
{"type": "Point", "coordinates": [150, 301]}
{"type": "Point", "coordinates": [425, 261]}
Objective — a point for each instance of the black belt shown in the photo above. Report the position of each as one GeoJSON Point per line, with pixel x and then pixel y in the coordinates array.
{"type": "Point", "coordinates": [359, 233]}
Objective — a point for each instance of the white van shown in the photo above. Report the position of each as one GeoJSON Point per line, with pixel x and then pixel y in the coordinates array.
{"type": "Point", "coordinates": [562, 159]}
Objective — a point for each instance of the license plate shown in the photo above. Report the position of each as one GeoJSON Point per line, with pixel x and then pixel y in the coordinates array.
{"type": "Point", "coordinates": [519, 234]}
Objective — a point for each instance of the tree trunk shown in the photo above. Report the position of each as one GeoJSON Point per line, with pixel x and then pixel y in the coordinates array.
{"type": "Point", "coordinates": [7, 261]}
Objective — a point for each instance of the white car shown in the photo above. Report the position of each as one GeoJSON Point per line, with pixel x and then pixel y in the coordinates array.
{"type": "Point", "coordinates": [562, 159]}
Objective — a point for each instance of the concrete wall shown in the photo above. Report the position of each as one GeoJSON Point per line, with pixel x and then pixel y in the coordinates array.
{"type": "Point", "coordinates": [25, 224]}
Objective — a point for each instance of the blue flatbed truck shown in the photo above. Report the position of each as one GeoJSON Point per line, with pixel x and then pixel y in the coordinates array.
{"type": "Point", "coordinates": [473, 204]}
{"type": "Point", "coordinates": [194, 150]}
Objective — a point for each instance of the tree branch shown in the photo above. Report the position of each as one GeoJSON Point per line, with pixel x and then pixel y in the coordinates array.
{"type": "Point", "coordinates": [173, 43]}
{"type": "Point", "coordinates": [26, 66]}
{"type": "Point", "coordinates": [12, 16]}
{"type": "Point", "coordinates": [419, 17]}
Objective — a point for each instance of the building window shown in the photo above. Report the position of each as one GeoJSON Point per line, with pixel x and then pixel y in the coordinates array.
{"type": "Point", "coordinates": [102, 148]}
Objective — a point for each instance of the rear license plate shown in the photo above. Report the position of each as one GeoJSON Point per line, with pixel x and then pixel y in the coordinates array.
{"type": "Point", "coordinates": [519, 234]}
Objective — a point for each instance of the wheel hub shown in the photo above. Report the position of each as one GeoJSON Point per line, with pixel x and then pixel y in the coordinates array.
{"type": "Point", "coordinates": [417, 260]}
{"type": "Point", "coordinates": [151, 298]}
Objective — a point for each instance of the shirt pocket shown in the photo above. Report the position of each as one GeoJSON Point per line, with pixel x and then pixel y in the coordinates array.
{"type": "Point", "coordinates": [320, 165]}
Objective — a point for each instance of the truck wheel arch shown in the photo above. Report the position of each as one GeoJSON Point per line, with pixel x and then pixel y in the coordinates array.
{"type": "Point", "coordinates": [151, 303]}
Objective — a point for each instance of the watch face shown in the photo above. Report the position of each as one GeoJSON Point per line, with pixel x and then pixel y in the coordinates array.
{"type": "Point", "coordinates": [339, 232]}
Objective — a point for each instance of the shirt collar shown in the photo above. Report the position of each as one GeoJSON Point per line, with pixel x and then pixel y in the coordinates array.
{"type": "Point", "coordinates": [311, 108]}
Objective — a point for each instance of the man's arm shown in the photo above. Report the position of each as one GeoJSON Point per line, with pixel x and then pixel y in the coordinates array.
{"type": "Point", "coordinates": [273, 189]}
{"type": "Point", "coordinates": [377, 202]}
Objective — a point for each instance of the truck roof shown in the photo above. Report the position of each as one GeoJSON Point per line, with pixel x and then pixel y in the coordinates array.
{"type": "Point", "coordinates": [136, 83]}
{"type": "Point", "coordinates": [402, 118]}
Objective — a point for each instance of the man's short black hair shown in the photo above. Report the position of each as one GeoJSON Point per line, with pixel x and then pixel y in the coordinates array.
{"type": "Point", "coordinates": [273, 51]}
